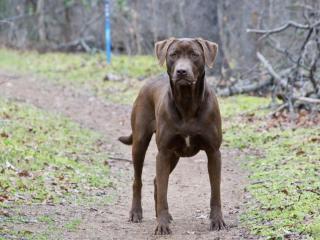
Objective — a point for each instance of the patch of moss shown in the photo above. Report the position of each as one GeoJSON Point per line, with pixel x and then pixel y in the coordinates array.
{"type": "Point", "coordinates": [47, 158]}
{"type": "Point", "coordinates": [85, 71]}
{"type": "Point", "coordinates": [284, 167]}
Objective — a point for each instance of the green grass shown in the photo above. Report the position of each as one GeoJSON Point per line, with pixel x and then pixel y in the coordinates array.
{"type": "Point", "coordinates": [84, 70]}
{"type": "Point", "coordinates": [45, 219]}
{"type": "Point", "coordinates": [284, 167]}
{"type": "Point", "coordinates": [73, 224]}
{"type": "Point", "coordinates": [47, 158]}
{"type": "Point", "coordinates": [283, 163]}
{"type": "Point", "coordinates": [243, 104]}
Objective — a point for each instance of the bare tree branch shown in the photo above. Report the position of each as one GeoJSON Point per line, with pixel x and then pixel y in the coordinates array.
{"type": "Point", "coordinates": [282, 28]}
{"type": "Point", "coordinates": [270, 69]}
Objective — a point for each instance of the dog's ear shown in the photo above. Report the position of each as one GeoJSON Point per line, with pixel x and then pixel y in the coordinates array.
{"type": "Point", "coordinates": [161, 49]}
{"type": "Point", "coordinates": [210, 50]}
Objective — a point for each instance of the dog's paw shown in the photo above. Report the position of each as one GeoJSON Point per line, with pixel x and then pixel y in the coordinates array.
{"type": "Point", "coordinates": [163, 225]}
{"type": "Point", "coordinates": [135, 215]}
{"type": "Point", "coordinates": [217, 224]}
{"type": "Point", "coordinates": [162, 229]}
{"type": "Point", "coordinates": [216, 221]}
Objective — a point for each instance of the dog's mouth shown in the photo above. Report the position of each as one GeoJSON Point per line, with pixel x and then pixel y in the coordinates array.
{"type": "Point", "coordinates": [185, 81]}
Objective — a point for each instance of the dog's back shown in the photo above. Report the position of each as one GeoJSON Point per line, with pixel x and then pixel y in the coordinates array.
{"type": "Point", "coordinates": [151, 94]}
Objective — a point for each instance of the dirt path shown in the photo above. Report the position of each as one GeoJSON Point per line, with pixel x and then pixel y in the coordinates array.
{"type": "Point", "coordinates": [188, 189]}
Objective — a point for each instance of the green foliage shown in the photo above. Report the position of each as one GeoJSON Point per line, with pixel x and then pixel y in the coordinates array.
{"type": "Point", "coordinates": [242, 104]}
{"type": "Point", "coordinates": [85, 3]}
{"type": "Point", "coordinates": [284, 176]}
{"type": "Point", "coordinates": [85, 70]}
{"type": "Point", "coordinates": [73, 224]}
{"type": "Point", "coordinates": [3, 9]}
{"type": "Point", "coordinates": [122, 5]}
{"type": "Point", "coordinates": [47, 158]}
{"type": "Point", "coordinates": [68, 3]}
{"type": "Point", "coordinates": [45, 219]}
{"type": "Point", "coordinates": [283, 163]}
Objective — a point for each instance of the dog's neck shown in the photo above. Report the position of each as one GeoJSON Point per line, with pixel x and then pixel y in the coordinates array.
{"type": "Point", "coordinates": [187, 99]}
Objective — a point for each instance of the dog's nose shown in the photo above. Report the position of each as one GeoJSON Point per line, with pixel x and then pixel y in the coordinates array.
{"type": "Point", "coordinates": [181, 72]}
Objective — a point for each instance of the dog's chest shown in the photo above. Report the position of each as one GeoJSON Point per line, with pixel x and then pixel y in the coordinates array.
{"type": "Point", "coordinates": [187, 139]}
{"type": "Point", "coordinates": [185, 145]}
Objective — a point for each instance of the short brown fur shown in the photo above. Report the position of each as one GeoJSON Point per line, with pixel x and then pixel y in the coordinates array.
{"type": "Point", "coordinates": [183, 113]}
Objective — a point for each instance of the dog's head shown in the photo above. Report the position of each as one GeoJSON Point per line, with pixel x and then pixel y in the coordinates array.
{"type": "Point", "coordinates": [186, 58]}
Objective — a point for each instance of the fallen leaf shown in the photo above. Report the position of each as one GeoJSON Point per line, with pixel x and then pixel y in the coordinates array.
{"type": "Point", "coordinates": [300, 152]}
{"type": "Point", "coordinates": [4, 198]}
{"type": "Point", "coordinates": [24, 173]}
{"type": "Point", "coordinates": [6, 116]}
{"type": "Point", "coordinates": [4, 213]}
{"type": "Point", "coordinates": [4, 135]}
{"type": "Point", "coordinates": [315, 139]}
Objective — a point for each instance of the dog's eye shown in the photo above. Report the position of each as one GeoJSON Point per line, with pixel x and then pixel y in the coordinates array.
{"type": "Point", "coordinates": [195, 55]}
{"type": "Point", "coordinates": [173, 55]}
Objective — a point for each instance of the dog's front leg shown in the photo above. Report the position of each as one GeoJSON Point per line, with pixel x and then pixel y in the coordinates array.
{"type": "Point", "coordinates": [163, 167]}
{"type": "Point", "coordinates": [214, 169]}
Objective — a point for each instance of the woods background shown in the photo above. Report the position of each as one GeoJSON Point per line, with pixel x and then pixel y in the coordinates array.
{"type": "Point", "coordinates": [63, 172]}
{"type": "Point", "coordinates": [288, 57]}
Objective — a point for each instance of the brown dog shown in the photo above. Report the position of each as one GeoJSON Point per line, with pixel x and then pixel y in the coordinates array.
{"type": "Point", "coordinates": [184, 114]}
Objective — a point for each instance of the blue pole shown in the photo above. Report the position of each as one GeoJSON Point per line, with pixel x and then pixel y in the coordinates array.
{"type": "Point", "coordinates": [108, 31]}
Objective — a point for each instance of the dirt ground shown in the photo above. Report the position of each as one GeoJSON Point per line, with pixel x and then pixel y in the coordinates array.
{"type": "Point", "coordinates": [189, 192]}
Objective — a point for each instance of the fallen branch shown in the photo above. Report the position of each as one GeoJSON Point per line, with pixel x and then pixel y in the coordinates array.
{"type": "Point", "coordinates": [85, 46]}
{"type": "Point", "coordinates": [307, 100]}
{"type": "Point", "coordinates": [267, 65]}
{"type": "Point", "coordinates": [5, 22]}
{"type": "Point", "coordinates": [233, 90]}
{"type": "Point", "coordinates": [313, 191]}
{"type": "Point", "coordinates": [279, 109]}
{"type": "Point", "coordinates": [82, 42]}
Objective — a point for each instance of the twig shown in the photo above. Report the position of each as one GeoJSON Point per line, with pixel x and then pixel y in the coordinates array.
{"type": "Point", "coordinates": [282, 28]}
{"type": "Point", "coordinates": [90, 22]}
{"type": "Point", "coordinates": [279, 109]}
{"type": "Point", "coordinates": [120, 159]}
{"type": "Point", "coordinates": [312, 190]}
{"type": "Point", "coordinates": [275, 45]}
{"type": "Point", "coordinates": [85, 45]}
{"type": "Point", "coordinates": [5, 22]}
{"type": "Point", "coordinates": [270, 69]}
{"type": "Point", "coordinates": [307, 100]}
{"type": "Point", "coordinates": [78, 42]}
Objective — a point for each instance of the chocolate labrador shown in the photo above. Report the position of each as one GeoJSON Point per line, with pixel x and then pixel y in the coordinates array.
{"type": "Point", "coordinates": [183, 112]}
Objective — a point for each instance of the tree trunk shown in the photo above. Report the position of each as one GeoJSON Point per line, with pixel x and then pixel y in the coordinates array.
{"type": "Point", "coordinates": [41, 21]}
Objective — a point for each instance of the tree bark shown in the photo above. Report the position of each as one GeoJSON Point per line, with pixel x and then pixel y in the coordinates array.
{"type": "Point", "coordinates": [41, 21]}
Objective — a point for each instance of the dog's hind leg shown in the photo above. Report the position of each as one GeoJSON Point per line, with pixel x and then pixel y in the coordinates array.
{"type": "Point", "coordinates": [139, 148]}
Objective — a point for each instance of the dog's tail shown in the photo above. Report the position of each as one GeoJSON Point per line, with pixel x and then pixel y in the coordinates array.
{"type": "Point", "coordinates": [126, 139]}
